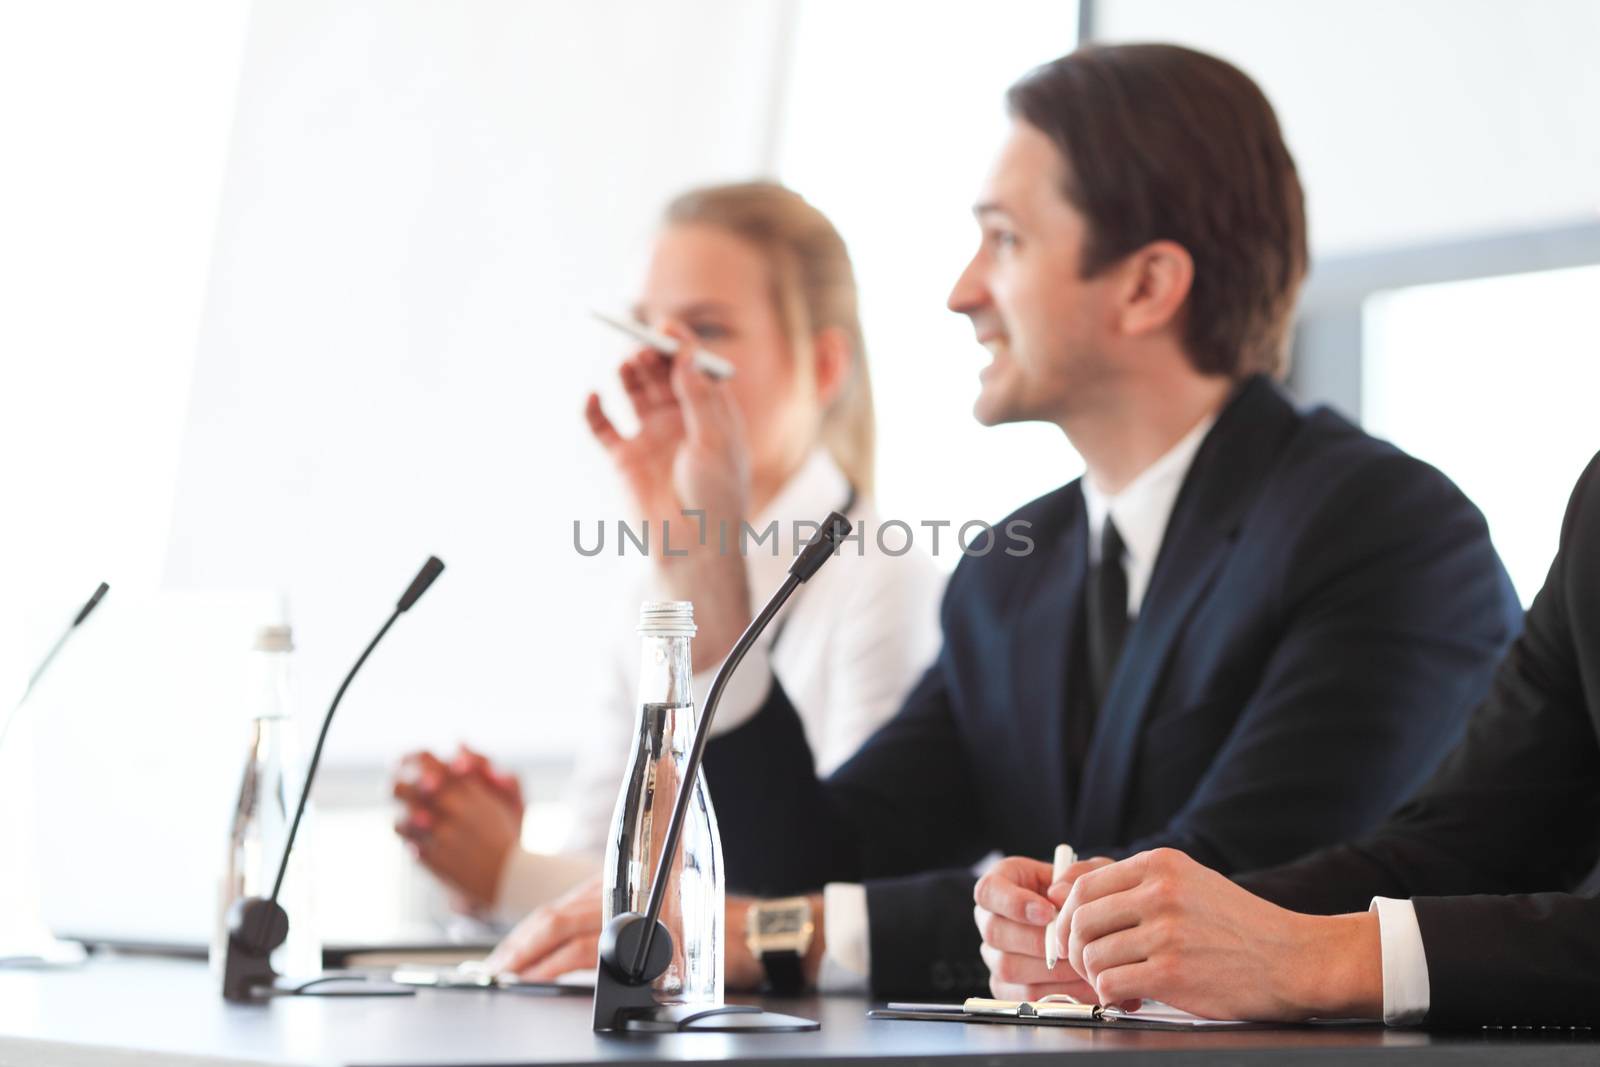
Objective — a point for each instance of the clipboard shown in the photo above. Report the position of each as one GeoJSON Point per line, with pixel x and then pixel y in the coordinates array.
{"type": "Point", "coordinates": [472, 976]}
{"type": "Point", "coordinates": [1059, 1010]}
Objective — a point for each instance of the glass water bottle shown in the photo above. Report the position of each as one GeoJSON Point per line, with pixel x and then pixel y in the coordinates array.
{"type": "Point", "coordinates": [268, 793]}
{"type": "Point", "coordinates": [664, 734]}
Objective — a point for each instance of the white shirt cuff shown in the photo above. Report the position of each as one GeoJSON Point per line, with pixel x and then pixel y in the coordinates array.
{"type": "Point", "coordinates": [847, 958]}
{"type": "Point", "coordinates": [1405, 963]}
{"type": "Point", "coordinates": [531, 879]}
{"type": "Point", "coordinates": [744, 695]}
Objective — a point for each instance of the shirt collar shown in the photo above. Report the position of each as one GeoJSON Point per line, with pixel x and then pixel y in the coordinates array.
{"type": "Point", "coordinates": [818, 487]}
{"type": "Point", "coordinates": [1141, 510]}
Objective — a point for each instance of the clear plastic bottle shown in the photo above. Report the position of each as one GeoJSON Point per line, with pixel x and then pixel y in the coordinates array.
{"type": "Point", "coordinates": [268, 794]}
{"type": "Point", "coordinates": [693, 908]}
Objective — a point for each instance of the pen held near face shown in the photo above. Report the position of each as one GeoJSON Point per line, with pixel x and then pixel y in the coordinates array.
{"type": "Point", "coordinates": [709, 364]}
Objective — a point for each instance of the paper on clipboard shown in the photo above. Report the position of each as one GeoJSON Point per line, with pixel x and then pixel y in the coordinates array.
{"type": "Point", "coordinates": [1058, 1011]}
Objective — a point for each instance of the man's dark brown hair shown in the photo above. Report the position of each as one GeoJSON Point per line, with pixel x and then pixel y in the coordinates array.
{"type": "Point", "coordinates": [1165, 143]}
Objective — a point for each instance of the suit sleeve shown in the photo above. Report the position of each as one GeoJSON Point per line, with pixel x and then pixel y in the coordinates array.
{"type": "Point", "coordinates": [898, 806]}
{"type": "Point", "coordinates": [884, 639]}
{"type": "Point", "coordinates": [1397, 609]}
{"type": "Point", "coordinates": [1513, 813]}
{"type": "Point", "coordinates": [923, 940]}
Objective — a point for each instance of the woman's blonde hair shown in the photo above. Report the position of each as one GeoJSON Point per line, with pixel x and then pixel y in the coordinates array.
{"type": "Point", "coordinates": [814, 288]}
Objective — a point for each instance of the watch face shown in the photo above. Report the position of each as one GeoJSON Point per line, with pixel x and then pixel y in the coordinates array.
{"type": "Point", "coordinates": [780, 926]}
{"type": "Point", "coordinates": [772, 922]}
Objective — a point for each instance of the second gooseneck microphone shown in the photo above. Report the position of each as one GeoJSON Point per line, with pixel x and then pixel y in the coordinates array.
{"type": "Point", "coordinates": [419, 585]}
{"type": "Point", "coordinates": [49, 657]}
{"type": "Point", "coordinates": [257, 926]}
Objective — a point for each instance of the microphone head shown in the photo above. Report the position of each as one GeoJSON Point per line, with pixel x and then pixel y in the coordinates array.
{"type": "Point", "coordinates": [419, 585]}
{"type": "Point", "coordinates": [94, 602]}
{"type": "Point", "coordinates": [834, 530]}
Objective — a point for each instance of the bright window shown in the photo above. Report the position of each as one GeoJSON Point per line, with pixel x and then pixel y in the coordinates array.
{"type": "Point", "coordinates": [1493, 381]}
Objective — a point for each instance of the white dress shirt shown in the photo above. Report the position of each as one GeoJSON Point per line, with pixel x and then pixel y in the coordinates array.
{"type": "Point", "coordinates": [1141, 511]}
{"type": "Point", "coordinates": [856, 638]}
{"type": "Point", "coordinates": [1405, 964]}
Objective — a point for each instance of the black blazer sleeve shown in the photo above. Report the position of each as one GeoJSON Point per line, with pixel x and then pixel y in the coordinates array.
{"type": "Point", "coordinates": [900, 805]}
{"type": "Point", "coordinates": [923, 938]}
{"type": "Point", "coordinates": [1396, 610]}
{"type": "Point", "coordinates": [1513, 814]}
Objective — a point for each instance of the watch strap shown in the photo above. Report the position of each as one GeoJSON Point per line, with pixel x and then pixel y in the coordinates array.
{"type": "Point", "coordinates": [785, 975]}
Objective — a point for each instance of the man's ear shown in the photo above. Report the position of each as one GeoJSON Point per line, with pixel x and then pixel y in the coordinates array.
{"type": "Point", "coordinates": [1156, 281]}
{"type": "Point", "coordinates": [833, 356]}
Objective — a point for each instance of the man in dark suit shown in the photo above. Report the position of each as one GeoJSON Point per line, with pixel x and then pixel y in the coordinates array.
{"type": "Point", "coordinates": [1500, 927]}
{"type": "Point", "coordinates": [1247, 632]}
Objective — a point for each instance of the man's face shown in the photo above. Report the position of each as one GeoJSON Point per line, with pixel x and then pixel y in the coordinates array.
{"type": "Point", "coordinates": [1042, 323]}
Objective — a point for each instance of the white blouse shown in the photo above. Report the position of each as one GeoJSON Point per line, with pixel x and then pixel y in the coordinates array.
{"type": "Point", "coordinates": [851, 644]}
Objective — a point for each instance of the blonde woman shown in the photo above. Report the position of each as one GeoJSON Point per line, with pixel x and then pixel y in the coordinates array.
{"type": "Point", "coordinates": [755, 274]}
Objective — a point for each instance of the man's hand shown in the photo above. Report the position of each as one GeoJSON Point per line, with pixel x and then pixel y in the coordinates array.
{"type": "Point", "coordinates": [462, 819]}
{"type": "Point", "coordinates": [1015, 901]}
{"type": "Point", "coordinates": [1160, 926]}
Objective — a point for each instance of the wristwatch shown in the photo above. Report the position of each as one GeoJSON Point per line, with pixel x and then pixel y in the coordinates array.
{"type": "Point", "coordinates": [779, 934]}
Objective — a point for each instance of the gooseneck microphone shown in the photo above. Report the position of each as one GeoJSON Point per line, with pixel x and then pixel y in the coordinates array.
{"type": "Point", "coordinates": [635, 949]}
{"type": "Point", "coordinates": [256, 925]}
{"type": "Point", "coordinates": [419, 585]}
{"type": "Point", "coordinates": [48, 952]}
{"type": "Point", "coordinates": [50, 656]}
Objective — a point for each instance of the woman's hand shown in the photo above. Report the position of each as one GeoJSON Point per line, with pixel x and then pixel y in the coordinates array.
{"type": "Point", "coordinates": [561, 936]}
{"type": "Point", "coordinates": [689, 456]}
{"type": "Point", "coordinates": [462, 819]}
{"type": "Point", "coordinates": [565, 936]}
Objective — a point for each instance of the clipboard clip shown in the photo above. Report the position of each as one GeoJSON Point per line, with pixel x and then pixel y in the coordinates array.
{"type": "Point", "coordinates": [1054, 1006]}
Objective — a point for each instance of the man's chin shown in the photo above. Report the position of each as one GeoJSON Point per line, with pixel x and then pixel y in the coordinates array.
{"type": "Point", "coordinates": [983, 413]}
{"type": "Point", "coordinates": [994, 409]}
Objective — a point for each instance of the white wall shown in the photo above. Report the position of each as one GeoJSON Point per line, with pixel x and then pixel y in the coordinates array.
{"type": "Point", "coordinates": [894, 111]}
{"type": "Point", "coordinates": [422, 202]}
{"type": "Point", "coordinates": [1413, 120]}
{"type": "Point", "coordinates": [115, 121]}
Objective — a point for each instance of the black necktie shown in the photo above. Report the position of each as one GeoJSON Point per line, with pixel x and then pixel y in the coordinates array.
{"type": "Point", "coordinates": [1108, 613]}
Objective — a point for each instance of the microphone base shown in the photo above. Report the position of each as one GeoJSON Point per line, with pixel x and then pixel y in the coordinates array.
{"type": "Point", "coordinates": [338, 984]}
{"type": "Point", "coordinates": [256, 927]}
{"type": "Point", "coordinates": [42, 955]}
{"type": "Point", "coordinates": [714, 1019]}
{"type": "Point", "coordinates": [618, 994]}
{"type": "Point", "coordinates": [623, 1003]}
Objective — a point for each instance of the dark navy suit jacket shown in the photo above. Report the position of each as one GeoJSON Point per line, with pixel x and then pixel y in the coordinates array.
{"type": "Point", "coordinates": [1323, 613]}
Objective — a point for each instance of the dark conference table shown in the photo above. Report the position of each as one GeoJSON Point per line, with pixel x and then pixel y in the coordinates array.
{"type": "Point", "coordinates": [148, 1011]}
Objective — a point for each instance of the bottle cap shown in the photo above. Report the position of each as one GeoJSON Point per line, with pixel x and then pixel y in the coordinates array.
{"type": "Point", "coordinates": [666, 618]}
{"type": "Point", "coordinates": [275, 638]}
